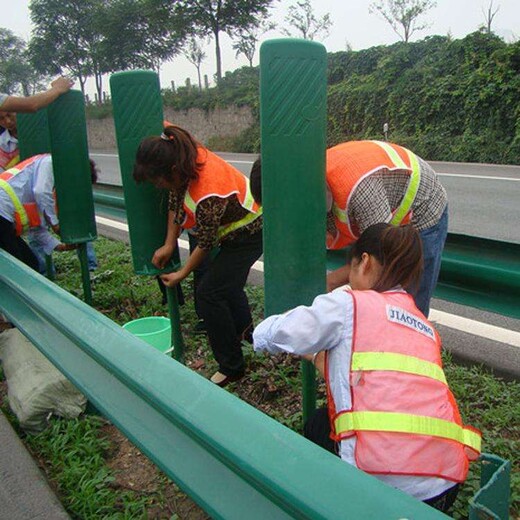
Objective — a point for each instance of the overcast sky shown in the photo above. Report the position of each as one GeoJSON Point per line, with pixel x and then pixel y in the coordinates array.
{"type": "Point", "coordinates": [353, 23]}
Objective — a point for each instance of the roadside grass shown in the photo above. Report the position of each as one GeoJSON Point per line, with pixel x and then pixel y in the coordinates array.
{"type": "Point", "coordinates": [74, 453]}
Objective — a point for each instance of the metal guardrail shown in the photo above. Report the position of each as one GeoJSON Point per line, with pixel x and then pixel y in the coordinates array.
{"type": "Point", "coordinates": [233, 460]}
{"type": "Point", "coordinates": [478, 272]}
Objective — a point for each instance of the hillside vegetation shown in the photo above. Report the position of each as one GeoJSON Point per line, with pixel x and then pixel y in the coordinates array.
{"type": "Point", "coordinates": [446, 99]}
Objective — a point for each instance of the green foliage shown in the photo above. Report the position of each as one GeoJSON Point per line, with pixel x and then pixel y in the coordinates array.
{"type": "Point", "coordinates": [74, 451]}
{"type": "Point", "coordinates": [16, 74]}
{"type": "Point", "coordinates": [213, 17]}
{"type": "Point", "coordinates": [447, 99]}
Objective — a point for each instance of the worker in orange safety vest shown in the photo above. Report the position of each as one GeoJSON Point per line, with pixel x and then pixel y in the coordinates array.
{"type": "Point", "coordinates": [374, 181]}
{"type": "Point", "coordinates": [27, 202]}
{"type": "Point", "coordinates": [390, 410]}
{"type": "Point", "coordinates": [213, 199]}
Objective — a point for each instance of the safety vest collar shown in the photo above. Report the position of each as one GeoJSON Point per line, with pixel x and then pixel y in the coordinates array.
{"type": "Point", "coordinates": [348, 423]}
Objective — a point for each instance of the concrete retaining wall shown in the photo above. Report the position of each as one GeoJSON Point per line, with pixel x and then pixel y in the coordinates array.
{"type": "Point", "coordinates": [221, 122]}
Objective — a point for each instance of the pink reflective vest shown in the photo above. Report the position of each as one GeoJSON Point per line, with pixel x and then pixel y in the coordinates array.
{"type": "Point", "coordinates": [404, 416]}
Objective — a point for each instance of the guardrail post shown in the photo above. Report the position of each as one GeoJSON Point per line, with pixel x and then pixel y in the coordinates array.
{"type": "Point", "coordinates": [293, 122]}
{"type": "Point", "coordinates": [138, 113]}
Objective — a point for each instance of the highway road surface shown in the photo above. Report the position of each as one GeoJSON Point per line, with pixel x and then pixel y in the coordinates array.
{"type": "Point", "coordinates": [484, 199]}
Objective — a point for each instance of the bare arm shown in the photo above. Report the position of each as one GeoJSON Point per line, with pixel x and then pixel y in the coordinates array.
{"type": "Point", "coordinates": [193, 261]}
{"type": "Point", "coordinates": [33, 103]}
{"type": "Point", "coordinates": [338, 277]}
{"type": "Point", "coordinates": [162, 255]}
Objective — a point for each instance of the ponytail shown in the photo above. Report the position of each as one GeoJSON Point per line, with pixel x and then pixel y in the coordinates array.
{"type": "Point", "coordinates": [398, 250]}
{"type": "Point", "coordinates": [175, 150]}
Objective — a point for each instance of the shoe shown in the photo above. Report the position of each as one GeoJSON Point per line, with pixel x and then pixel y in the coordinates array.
{"type": "Point", "coordinates": [199, 328]}
{"type": "Point", "coordinates": [222, 380]}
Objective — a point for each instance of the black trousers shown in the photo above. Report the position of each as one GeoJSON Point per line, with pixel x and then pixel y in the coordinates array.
{"type": "Point", "coordinates": [222, 302]}
{"type": "Point", "coordinates": [15, 245]}
{"type": "Point", "coordinates": [317, 430]}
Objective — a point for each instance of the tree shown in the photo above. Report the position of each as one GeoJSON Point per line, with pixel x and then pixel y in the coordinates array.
{"type": "Point", "coordinates": [195, 55]}
{"type": "Point", "coordinates": [403, 15]}
{"type": "Point", "coordinates": [61, 42]}
{"type": "Point", "coordinates": [489, 15]}
{"type": "Point", "coordinates": [301, 16]}
{"type": "Point", "coordinates": [16, 73]}
{"type": "Point", "coordinates": [247, 40]}
{"type": "Point", "coordinates": [141, 33]}
{"type": "Point", "coordinates": [212, 17]}
{"type": "Point", "coordinates": [93, 37]}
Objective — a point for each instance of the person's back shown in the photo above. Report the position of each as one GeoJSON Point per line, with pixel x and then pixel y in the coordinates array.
{"type": "Point", "coordinates": [390, 411]}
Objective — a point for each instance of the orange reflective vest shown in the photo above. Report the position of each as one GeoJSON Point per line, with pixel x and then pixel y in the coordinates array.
{"type": "Point", "coordinates": [25, 215]}
{"type": "Point", "coordinates": [348, 164]}
{"type": "Point", "coordinates": [403, 414]}
{"type": "Point", "coordinates": [217, 178]}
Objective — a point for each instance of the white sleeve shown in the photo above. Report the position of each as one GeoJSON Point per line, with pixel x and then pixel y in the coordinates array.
{"type": "Point", "coordinates": [43, 190]}
{"type": "Point", "coordinates": [306, 330]}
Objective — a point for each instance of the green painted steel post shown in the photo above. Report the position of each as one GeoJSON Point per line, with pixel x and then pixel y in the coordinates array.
{"type": "Point", "coordinates": [138, 113]}
{"type": "Point", "coordinates": [293, 119]}
{"type": "Point", "coordinates": [72, 178]}
{"type": "Point", "coordinates": [85, 274]}
{"type": "Point", "coordinates": [49, 267]}
{"type": "Point", "coordinates": [175, 319]}
{"type": "Point", "coordinates": [33, 133]}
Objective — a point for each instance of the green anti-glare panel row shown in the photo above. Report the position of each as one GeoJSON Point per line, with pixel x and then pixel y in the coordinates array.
{"type": "Point", "coordinates": [293, 121]}
{"type": "Point", "coordinates": [138, 113]}
{"type": "Point", "coordinates": [69, 145]}
{"type": "Point", "coordinates": [33, 133]}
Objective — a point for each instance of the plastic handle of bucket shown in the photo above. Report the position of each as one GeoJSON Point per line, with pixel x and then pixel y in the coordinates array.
{"type": "Point", "coordinates": [169, 350]}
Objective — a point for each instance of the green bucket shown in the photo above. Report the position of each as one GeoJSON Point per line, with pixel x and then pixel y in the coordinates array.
{"type": "Point", "coordinates": [155, 330]}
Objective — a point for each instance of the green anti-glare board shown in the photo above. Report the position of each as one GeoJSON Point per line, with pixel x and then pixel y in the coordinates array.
{"type": "Point", "coordinates": [293, 120]}
{"type": "Point", "coordinates": [33, 133]}
{"type": "Point", "coordinates": [68, 137]}
{"type": "Point", "coordinates": [138, 113]}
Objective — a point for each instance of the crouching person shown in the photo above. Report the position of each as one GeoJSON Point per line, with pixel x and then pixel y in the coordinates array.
{"type": "Point", "coordinates": [390, 411]}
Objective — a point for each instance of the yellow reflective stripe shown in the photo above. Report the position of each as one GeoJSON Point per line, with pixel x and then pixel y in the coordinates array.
{"type": "Point", "coordinates": [249, 201]}
{"type": "Point", "coordinates": [18, 206]}
{"type": "Point", "coordinates": [392, 153]}
{"type": "Point", "coordinates": [407, 423]}
{"type": "Point", "coordinates": [411, 191]}
{"type": "Point", "coordinates": [339, 213]}
{"type": "Point", "coordinates": [397, 363]}
{"type": "Point", "coordinates": [12, 162]}
{"type": "Point", "coordinates": [413, 183]}
{"type": "Point", "coordinates": [250, 217]}
{"type": "Point", "coordinates": [190, 203]}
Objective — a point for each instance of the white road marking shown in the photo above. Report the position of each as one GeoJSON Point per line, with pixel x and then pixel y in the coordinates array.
{"type": "Point", "coordinates": [476, 328]}
{"type": "Point", "coordinates": [489, 177]}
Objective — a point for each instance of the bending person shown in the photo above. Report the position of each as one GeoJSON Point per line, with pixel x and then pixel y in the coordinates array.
{"type": "Point", "coordinates": [212, 198]}
{"type": "Point", "coordinates": [27, 201]}
{"type": "Point", "coordinates": [390, 411]}
{"type": "Point", "coordinates": [369, 182]}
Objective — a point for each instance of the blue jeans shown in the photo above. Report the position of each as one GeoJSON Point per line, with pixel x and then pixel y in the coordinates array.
{"type": "Point", "coordinates": [433, 240]}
